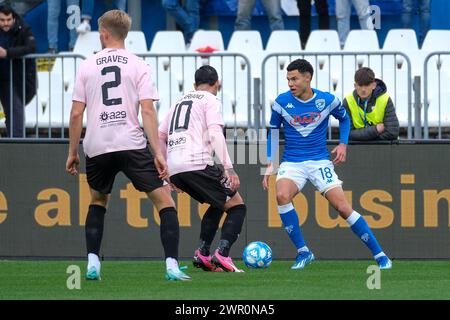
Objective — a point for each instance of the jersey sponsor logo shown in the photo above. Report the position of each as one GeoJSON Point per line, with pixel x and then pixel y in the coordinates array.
{"type": "Point", "coordinates": [320, 104]}
{"type": "Point", "coordinates": [290, 106]}
{"type": "Point", "coordinates": [305, 118]}
{"type": "Point", "coordinates": [112, 116]}
{"type": "Point", "coordinates": [176, 142]}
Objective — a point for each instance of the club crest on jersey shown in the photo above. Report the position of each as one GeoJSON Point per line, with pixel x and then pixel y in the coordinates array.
{"type": "Point", "coordinates": [320, 104]}
{"type": "Point", "coordinates": [305, 118]}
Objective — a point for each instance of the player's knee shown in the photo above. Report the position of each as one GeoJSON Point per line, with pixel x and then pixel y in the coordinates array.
{"type": "Point", "coordinates": [283, 198]}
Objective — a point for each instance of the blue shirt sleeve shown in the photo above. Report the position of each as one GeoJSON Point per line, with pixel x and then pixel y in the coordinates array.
{"type": "Point", "coordinates": [275, 123]}
{"type": "Point", "coordinates": [341, 114]}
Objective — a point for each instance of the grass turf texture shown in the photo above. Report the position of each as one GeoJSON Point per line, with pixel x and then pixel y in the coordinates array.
{"type": "Point", "coordinates": [145, 280]}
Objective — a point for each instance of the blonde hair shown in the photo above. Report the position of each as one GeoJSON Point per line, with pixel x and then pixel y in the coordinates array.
{"type": "Point", "coordinates": [117, 22]}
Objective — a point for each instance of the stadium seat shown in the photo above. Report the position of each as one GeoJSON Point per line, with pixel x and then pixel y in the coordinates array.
{"type": "Point", "coordinates": [395, 69]}
{"type": "Point", "coordinates": [88, 43]}
{"type": "Point", "coordinates": [135, 42]}
{"type": "Point", "coordinates": [248, 43]}
{"type": "Point", "coordinates": [437, 40]}
{"type": "Point", "coordinates": [280, 41]}
{"type": "Point", "coordinates": [327, 68]}
{"type": "Point", "coordinates": [168, 42]}
{"type": "Point", "coordinates": [204, 39]}
{"type": "Point", "coordinates": [323, 40]}
{"type": "Point", "coordinates": [167, 71]}
{"type": "Point", "coordinates": [438, 77]}
{"type": "Point", "coordinates": [362, 40]}
{"type": "Point", "coordinates": [235, 75]}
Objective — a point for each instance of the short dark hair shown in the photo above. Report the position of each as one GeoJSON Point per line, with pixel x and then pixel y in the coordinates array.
{"type": "Point", "coordinates": [6, 9]}
{"type": "Point", "coordinates": [364, 76]}
{"type": "Point", "coordinates": [206, 75]}
{"type": "Point", "coordinates": [301, 65]}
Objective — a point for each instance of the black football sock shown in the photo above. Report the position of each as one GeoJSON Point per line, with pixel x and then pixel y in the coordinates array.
{"type": "Point", "coordinates": [210, 224]}
{"type": "Point", "coordinates": [94, 228]}
{"type": "Point", "coordinates": [169, 232]}
{"type": "Point", "coordinates": [231, 228]}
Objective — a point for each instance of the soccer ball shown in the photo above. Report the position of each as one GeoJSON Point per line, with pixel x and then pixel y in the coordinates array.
{"type": "Point", "coordinates": [257, 255]}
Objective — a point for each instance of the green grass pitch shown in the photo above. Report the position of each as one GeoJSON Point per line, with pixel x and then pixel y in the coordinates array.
{"type": "Point", "coordinates": [145, 280]}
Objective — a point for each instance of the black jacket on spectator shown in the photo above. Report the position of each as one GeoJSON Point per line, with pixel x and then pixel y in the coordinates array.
{"type": "Point", "coordinates": [21, 42]}
{"type": "Point", "coordinates": [391, 124]}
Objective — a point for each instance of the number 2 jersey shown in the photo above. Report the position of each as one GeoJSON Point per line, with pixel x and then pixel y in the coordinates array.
{"type": "Point", "coordinates": [111, 83]}
{"type": "Point", "coordinates": [186, 128]}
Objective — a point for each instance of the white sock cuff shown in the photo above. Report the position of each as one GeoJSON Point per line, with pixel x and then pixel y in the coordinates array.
{"type": "Point", "coordinates": [171, 263]}
{"type": "Point", "coordinates": [302, 249]}
{"type": "Point", "coordinates": [353, 218]}
{"type": "Point", "coordinates": [379, 255]}
{"type": "Point", "coordinates": [285, 208]}
{"type": "Point", "coordinates": [93, 257]}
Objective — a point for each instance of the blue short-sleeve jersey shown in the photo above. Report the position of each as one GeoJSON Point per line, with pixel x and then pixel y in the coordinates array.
{"type": "Point", "coordinates": [305, 125]}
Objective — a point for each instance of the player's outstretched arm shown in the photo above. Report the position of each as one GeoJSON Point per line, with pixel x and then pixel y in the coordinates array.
{"type": "Point", "coordinates": [149, 119]}
{"type": "Point", "coordinates": [75, 128]}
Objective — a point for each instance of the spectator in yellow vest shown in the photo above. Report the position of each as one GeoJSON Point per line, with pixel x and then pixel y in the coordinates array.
{"type": "Point", "coordinates": [371, 109]}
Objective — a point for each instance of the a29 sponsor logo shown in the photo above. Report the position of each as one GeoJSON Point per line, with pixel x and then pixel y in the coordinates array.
{"type": "Point", "coordinates": [176, 142]}
{"type": "Point", "coordinates": [113, 115]}
{"type": "Point", "coordinates": [305, 118]}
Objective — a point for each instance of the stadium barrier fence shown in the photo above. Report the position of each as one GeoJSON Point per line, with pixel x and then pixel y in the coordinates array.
{"type": "Point", "coordinates": [439, 79]}
{"type": "Point", "coordinates": [334, 72]}
{"type": "Point", "coordinates": [47, 114]}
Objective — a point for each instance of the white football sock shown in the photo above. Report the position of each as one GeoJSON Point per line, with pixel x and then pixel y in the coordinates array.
{"type": "Point", "coordinates": [93, 261]}
{"type": "Point", "coordinates": [171, 263]}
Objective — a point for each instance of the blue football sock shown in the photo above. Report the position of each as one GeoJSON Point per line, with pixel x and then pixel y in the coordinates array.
{"type": "Point", "coordinates": [361, 229]}
{"type": "Point", "coordinates": [291, 224]}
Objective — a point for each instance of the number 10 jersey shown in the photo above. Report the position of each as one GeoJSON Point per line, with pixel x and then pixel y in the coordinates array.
{"type": "Point", "coordinates": [186, 128]}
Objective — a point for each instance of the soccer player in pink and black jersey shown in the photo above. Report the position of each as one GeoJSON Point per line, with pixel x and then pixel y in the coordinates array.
{"type": "Point", "coordinates": [111, 85]}
{"type": "Point", "coordinates": [191, 132]}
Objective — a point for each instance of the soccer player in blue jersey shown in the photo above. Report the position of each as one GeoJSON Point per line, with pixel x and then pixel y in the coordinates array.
{"type": "Point", "coordinates": [304, 112]}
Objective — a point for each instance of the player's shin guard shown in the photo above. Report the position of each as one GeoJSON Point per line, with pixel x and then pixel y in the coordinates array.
{"type": "Point", "coordinates": [361, 229]}
{"type": "Point", "coordinates": [169, 232]}
{"type": "Point", "coordinates": [231, 228]}
{"type": "Point", "coordinates": [210, 224]}
{"type": "Point", "coordinates": [94, 228]}
{"type": "Point", "coordinates": [291, 224]}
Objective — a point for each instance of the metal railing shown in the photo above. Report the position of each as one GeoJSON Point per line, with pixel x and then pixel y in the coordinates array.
{"type": "Point", "coordinates": [174, 75]}
{"type": "Point", "coordinates": [334, 72]}
{"type": "Point", "coordinates": [428, 99]}
{"type": "Point", "coordinates": [48, 114]}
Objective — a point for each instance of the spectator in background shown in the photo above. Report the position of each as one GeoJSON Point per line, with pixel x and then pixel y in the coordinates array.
{"type": "Point", "coordinates": [16, 40]}
{"type": "Point", "coordinates": [371, 109]}
{"type": "Point", "coordinates": [87, 12]}
{"type": "Point", "coordinates": [187, 17]}
{"type": "Point", "coordinates": [304, 7]}
{"type": "Point", "coordinates": [273, 11]}
{"type": "Point", "coordinates": [343, 14]}
{"type": "Point", "coordinates": [54, 9]}
{"type": "Point", "coordinates": [423, 7]}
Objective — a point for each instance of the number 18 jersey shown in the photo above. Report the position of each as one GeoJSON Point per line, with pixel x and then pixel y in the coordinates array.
{"type": "Point", "coordinates": [111, 83]}
{"type": "Point", "coordinates": [186, 128]}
